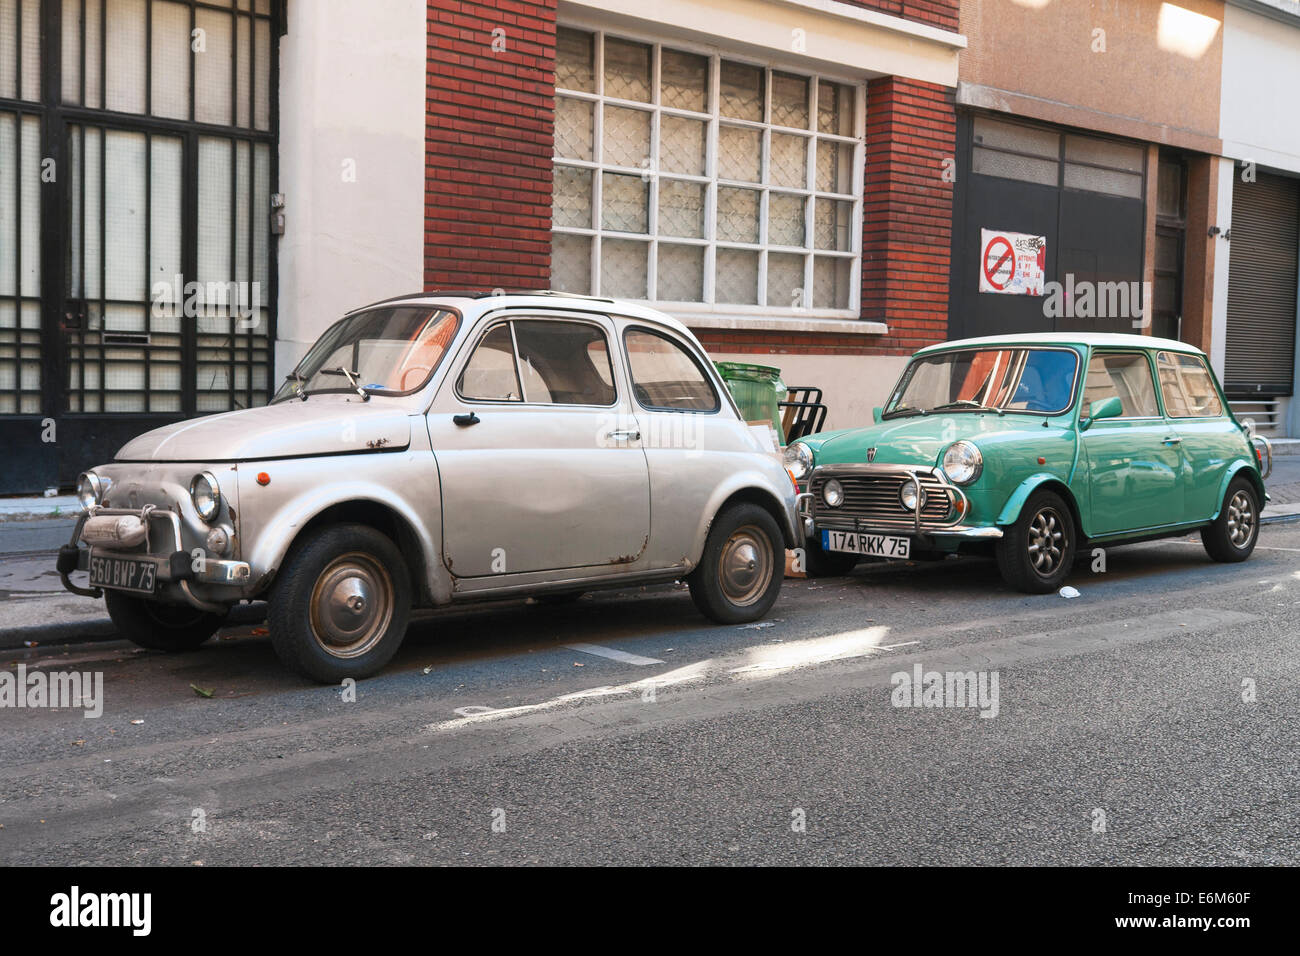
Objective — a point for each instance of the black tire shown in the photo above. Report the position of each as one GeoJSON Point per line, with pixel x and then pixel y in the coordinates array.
{"type": "Point", "coordinates": [341, 604]}
{"type": "Point", "coordinates": [1232, 536]}
{"type": "Point", "coordinates": [740, 572]}
{"type": "Point", "coordinates": [160, 627]}
{"type": "Point", "coordinates": [819, 563]}
{"type": "Point", "coordinates": [1035, 555]}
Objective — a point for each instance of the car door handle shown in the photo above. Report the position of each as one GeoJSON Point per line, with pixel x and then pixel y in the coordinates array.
{"type": "Point", "coordinates": [464, 421]}
{"type": "Point", "coordinates": [1173, 440]}
{"type": "Point", "coordinates": [624, 434]}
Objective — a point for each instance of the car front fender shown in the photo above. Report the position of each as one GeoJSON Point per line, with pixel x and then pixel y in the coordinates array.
{"type": "Point", "coordinates": [1011, 510]}
{"type": "Point", "coordinates": [1230, 473]}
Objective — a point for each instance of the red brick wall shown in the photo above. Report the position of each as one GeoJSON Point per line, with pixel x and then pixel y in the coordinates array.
{"type": "Point", "coordinates": [907, 217]}
{"type": "Point", "coordinates": [939, 13]}
{"type": "Point", "coordinates": [489, 128]}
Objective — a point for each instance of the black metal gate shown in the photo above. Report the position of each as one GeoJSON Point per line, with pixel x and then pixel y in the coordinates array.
{"type": "Point", "coordinates": [138, 141]}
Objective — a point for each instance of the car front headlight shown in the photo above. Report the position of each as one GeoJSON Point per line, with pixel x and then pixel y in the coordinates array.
{"type": "Point", "coordinates": [962, 462]}
{"type": "Point", "coordinates": [911, 496]}
{"type": "Point", "coordinates": [833, 493]}
{"type": "Point", "coordinates": [90, 490]}
{"type": "Point", "coordinates": [799, 460]}
{"type": "Point", "coordinates": [206, 495]}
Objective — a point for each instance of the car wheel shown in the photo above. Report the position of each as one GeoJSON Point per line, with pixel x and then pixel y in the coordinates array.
{"type": "Point", "coordinates": [738, 577]}
{"type": "Point", "coordinates": [341, 604]}
{"type": "Point", "coordinates": [1037, 552]}
{"type": "Point", "coordinates": [160, 627]}
{"type": "Point", "coordinates": [819, 563]}
{"type": "Point", "coordinates": [1233, 534]}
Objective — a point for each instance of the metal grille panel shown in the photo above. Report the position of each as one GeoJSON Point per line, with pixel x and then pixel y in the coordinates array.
{"type": "Point", "coordinates": [873, 500]}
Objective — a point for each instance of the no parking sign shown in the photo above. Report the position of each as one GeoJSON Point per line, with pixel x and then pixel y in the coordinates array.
{"type": "Point", "coordinates": [1012, 263]}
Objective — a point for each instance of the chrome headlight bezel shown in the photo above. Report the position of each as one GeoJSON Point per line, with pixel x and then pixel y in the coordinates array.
{"type": "Point", "coordinates": [90, 490]}
{"type": "Point", "coordinates": [833, 493]}
{"type": "Point", "coordinates": [916, 499]}
{"type": "Point", "coordinates": [798, 459]}
{"type": "Point", "coordinates": [206, 503]}
{"type": "Point", "coordinates": [962, 462]}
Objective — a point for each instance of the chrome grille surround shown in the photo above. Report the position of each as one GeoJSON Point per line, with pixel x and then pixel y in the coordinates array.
{"type": "Point", "coordinates": [871, 499]}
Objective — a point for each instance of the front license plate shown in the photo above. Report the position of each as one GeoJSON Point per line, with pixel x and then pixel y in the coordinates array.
{"type": "Point", "coordinates": [877, 545]}
{"type": "Point", "coordinates": [123, 574]}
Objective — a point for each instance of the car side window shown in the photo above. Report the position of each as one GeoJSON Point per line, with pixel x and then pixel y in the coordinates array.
{"type": "Point", "coordinates": [1187, 386]}
{"type": "Point", "coordinates": [489, 375]}
{"type": "Point", "coordinates": [1126, 375]}
{"type": "Point", "coordinates": [665, 376]}
{"type": "Point", "coordinates": [564, 363]}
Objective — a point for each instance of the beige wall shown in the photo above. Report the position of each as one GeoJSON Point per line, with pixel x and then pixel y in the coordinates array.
{"type": "Point", "coordinates": [1157, 80]}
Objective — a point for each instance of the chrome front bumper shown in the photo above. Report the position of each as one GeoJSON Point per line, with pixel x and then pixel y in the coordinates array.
{"type": "Point", "coordinates": [175, 564]}
{"type": "Point", "coordinates": [921, 529]}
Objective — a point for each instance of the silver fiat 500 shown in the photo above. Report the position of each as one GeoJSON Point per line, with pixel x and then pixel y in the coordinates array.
{"type": "Point", "coordinates": [434, 449]}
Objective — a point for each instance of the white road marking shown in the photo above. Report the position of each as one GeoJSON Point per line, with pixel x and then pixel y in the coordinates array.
{"type": "Point", "coordinates": [613, 654]}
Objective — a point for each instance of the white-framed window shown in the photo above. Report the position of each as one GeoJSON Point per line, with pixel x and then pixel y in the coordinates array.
{"type": "Point", "coordinates": [705, 183]}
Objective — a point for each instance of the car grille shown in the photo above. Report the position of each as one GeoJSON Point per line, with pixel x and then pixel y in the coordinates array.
{"type": "Point", "coordinates": [872, 501]}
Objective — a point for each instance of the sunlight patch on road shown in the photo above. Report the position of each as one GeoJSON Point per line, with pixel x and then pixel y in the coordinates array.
{"type": "Point", "coordinates": [818, 650]}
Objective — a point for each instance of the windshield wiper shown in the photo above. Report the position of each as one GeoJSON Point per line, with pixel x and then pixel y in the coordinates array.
{"type": "Point", "coordinates": [351, 376]}
{"type": "Point", "coordinates": [967, 403]}
{"type": "Point", "coordinates": [903, 413]}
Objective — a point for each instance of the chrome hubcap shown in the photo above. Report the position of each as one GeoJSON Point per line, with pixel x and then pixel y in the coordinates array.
{"type": "Point", "coordinates": [351, 605]}
{"type": "Point", "coordinates": [1047, 542]}
{"type": "Point", "coordinates": [1241, 519]}
{"type": "Point", "coordinates": [745, 568]}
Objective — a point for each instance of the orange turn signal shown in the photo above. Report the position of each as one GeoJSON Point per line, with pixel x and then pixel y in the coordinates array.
{"type": "Point", "coordinates": [263, 478]}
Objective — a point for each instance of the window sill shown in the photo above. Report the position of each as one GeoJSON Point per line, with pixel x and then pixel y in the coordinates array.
{"type": "Point", "coordinates": [784, 323]}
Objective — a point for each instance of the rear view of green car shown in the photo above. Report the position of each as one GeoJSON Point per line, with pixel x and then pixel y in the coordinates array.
{"type": "Point", "coordinates": [1028, 448]}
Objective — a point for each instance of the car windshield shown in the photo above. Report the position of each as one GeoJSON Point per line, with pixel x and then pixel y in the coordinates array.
{"type": "Point", "coordinates": [1003, 380]}
{"type": "Point", "coordinates": [390, 351]}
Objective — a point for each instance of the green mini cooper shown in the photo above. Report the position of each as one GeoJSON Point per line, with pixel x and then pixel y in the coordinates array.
{"type": "Point", "coordinates": [1029, 448]}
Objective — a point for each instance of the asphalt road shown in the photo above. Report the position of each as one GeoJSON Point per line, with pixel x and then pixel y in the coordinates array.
{"type": "Point", "coordinates": [1120, 732]}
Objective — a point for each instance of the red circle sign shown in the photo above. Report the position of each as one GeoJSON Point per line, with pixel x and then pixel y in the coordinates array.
{"type": "Point", "coordinates": [999, 262]}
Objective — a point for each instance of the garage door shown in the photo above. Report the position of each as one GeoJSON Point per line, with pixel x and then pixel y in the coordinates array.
{"type": "Point", "coordinates": [1265, 249]}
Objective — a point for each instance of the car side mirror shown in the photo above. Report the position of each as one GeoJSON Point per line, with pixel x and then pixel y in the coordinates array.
{"type": "Point", "coordinates": [1106, 408]}
{"type": "Point", "coordinates": [876, 415]}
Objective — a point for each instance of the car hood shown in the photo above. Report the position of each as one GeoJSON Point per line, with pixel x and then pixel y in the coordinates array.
{"type": "Point", "coordinates": [920, 440]}
{"type": "Point", "coordinates": [323, 425]}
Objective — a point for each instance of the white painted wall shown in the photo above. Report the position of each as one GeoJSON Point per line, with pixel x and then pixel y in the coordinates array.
{"type": "Point", "coordinates": [1226, 172]}
{"type": "Point", "coordinates": [1261, 76]}
{"type": "Point", "coordinates": [352, 88]}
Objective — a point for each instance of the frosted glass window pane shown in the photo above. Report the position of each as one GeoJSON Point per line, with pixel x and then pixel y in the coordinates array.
{"type": "Point", "coordinates": [831, 282]}
{"type": "Point", "coordinates": [739, 151]}
{"type": "Point", "coordinates": [574, 60]}
{"type": "Point", "coordinates": [171, 60]}
{"type": "Point", "coordinates": [31, 52]}
{"type": "Point", "coordinates": [623, 268]}
{"type": "Point", "coordinates": [835, 109]}
{"type": "Point", "coordinates": [1013, 136]}
{"type": "Point", "coordinates": [126, 56]}
{"type": "Point", "coordinates": [737, 214]}
{"type": "Point", "coordinates": [626, 137]}
{"type": "Point", "coordinates": [30, 164]}
{"type": "Point", "coordinates": [834, 167]}
{"type": "Point", "coordinates": [8, 217]}
{"type": "Point", "coordinates": [986, 162]}
{"type": "Point", "coordinates": [683, 81]}
{"type": "Point", "coordinates": [70, 57]}
{"type": "Point", "coordinates": [788, 165]}
{"type": "Point", "coordinates": [681, 145]}
{"type": "Point", "coordinates": [212, 68]}
{"type": "Point", "coordinates": [1103, 181]}
{"type": "Point", "coordinates": [741, 93]}
{"type": "Point", "coordinates": [243, 188]}
{"type": "Point", "coordinates": [1104, 152]}
{"type": "Point", "coordinates": [20, 174]}
{"type": "Point", "coordinates": [785, 220]}
{"type": "Point", "coordinates": [261, 220]}
{"type": "Point", "coordinates": [8, 48]}
{"type": "Point", "coordinates": [214, 210]}
{"type": "Point", "coordinates": [833, 222]}
{"type": "Point", "coordinates": [124, 217]}
{"type": "Point", "coordinates": [94, 86]}
{"type": "Point", "coordinates": [736, 280]}
{"type": "Point", "coordinates": [784, 280]}
{"type": "Point", "coordinates": [680, 274]}
{"type": "Point", "coordinates": [243, 78]}
{"type": "Point", "coordinates": [789, 100]}
{"type": "Point", "coordinates": [573, 128]}
{"type": "Point", "coordinates": [571, 263]}
{"type": "Point", "coordinates": [627, 70]}
{"type": "Point", "coordinates": [681, 209]}
{"type": "Point", "coordinates": [624, 205]}
{"type": "Point", "coordinates": [571, 197]}
{"type": "Point", "coordinates": [262, 76]}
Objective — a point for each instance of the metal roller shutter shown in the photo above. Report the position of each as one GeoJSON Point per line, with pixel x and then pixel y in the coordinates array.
{"type": "Point", "coordinates": [1265, 249]}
